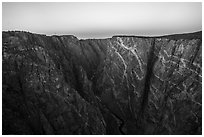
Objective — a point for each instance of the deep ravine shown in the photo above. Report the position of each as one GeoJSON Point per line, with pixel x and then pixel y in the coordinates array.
{"type": "Point", "coordinates": [119, 85]}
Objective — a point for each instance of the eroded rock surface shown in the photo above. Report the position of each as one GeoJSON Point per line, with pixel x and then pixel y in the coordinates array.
{"type": "Point", "coordinates": [119, 85]}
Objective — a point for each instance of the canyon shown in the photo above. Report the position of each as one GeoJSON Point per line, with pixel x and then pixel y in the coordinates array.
{"type": "Point", "coordinates": [124, 85]}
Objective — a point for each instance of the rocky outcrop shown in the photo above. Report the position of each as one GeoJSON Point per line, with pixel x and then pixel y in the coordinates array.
{"type": "Point", "coordinates": [119, 85]}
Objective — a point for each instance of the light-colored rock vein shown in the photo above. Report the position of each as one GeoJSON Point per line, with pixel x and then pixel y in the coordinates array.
{"type": "Point", "coordinates": [133, 50]}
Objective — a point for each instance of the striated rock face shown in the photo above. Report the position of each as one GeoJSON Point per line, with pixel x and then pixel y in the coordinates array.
{"type": "Point", "coordinates": [120, 85]}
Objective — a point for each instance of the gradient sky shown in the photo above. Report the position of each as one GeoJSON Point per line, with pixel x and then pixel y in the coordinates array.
{"type": "Point", "coordinates": [101, 20]}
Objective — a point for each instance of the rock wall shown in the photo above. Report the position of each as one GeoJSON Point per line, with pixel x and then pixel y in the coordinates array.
{"type": "Point", "coordinates": [119, 85]}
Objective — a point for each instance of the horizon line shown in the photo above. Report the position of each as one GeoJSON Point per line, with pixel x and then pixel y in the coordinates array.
{"type": "Point", "coordinates": [116, 35]}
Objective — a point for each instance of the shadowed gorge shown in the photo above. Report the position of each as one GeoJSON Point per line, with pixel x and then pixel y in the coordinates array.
{"type": "Point", "coordinates": [119, 85]}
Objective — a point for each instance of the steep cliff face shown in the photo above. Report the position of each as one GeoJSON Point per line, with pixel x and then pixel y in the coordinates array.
{"type": "Point", "coordinates": [120, 85]}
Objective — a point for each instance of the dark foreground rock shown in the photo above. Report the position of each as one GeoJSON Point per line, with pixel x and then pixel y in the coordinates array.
{"type": "Point", "coordinates": [120, 85]}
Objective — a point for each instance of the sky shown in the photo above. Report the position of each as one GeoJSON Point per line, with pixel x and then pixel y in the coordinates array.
{"type": "Point", "coordinates": [102, 20]}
